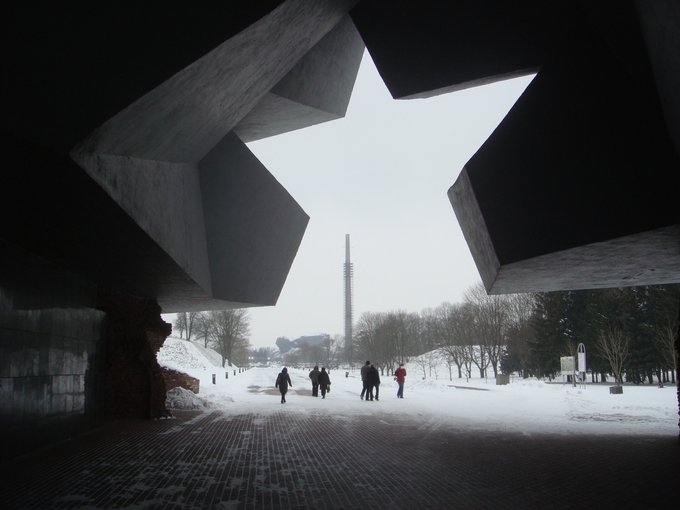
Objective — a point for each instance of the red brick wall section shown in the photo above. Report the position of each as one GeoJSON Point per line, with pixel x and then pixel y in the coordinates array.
{"type": "Point", "coordinates": [173, 379]}
{"type": "Point", "coordinates": [133, 381]}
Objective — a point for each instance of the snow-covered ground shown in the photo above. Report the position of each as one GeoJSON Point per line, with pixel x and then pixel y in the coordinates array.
{"type": "Point", "coordinates": [526, 406]}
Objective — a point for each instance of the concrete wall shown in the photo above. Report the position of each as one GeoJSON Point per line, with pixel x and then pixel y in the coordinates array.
{"type": "Point", "coordinates": [71, 354]}
{"type": "Point", "coordinates": [51, 350]}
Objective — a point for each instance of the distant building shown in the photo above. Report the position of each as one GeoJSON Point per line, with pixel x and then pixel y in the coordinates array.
{"type": "Point", "coordinates": [321, 339]}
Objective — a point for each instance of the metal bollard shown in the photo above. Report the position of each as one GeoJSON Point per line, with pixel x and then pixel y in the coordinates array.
{"type": "Point", "coordinates": [227, 375]}
{"type": "Point", "coordinates": [213, 378]}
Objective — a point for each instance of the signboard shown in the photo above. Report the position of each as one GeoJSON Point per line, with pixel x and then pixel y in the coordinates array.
{"type": "Point", "coordinates": [567, 364]}
{"type": "Point", "coordinates": [581, 358]}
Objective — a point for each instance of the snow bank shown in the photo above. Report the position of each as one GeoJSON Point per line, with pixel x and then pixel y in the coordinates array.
{"type": "Point", "coordinates": [179, 398]}
{"type": "Point", "coordinates": [187, 356]}
{"type": "Point", "coordinates": [197, 361]}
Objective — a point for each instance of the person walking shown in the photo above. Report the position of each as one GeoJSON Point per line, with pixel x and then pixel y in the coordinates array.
{"type": "Point", "coordinates": [400, 376]}
{"type": "Point", "coordinates": [324, 382]}
{"type": "Point", "coordinates": [314, 376]}
{"type": "Point", "coordinates": [364, 372]}
{"type": "Point", "coordinates": [374, 381]}
{"type": "Point", "coordinates": [282, 383]}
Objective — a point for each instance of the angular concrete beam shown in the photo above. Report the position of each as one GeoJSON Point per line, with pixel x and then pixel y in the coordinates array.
{"type": "Point", "coordinates": [435, 47]}
{"type": "Point", "coordinates": [577, 187]}
{"type": "Point", "coordinates": [182, 119]}
{"type": "Point", "coordinates": [316, 90]}
{"type": "Point", "coordinates": [226, 222]}
{"type": "Point", "coordinates": [68, 69]}
{"type": "Point", "coordinates": [253, 226]}
{"type": "Point", "coordinates": [164, 202]}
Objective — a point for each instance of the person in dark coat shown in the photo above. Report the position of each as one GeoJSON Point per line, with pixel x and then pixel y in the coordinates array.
{"type": "Point", "coordinates": [324, 382]}
{"type": "Point", "coordinates": [314, 376]}
{"type": "Point", "coordinates": [364, 382]}
{"type": "Point", "coordinates": [282, 383]}
{"type": "Point", "coordinates": [372, 381]}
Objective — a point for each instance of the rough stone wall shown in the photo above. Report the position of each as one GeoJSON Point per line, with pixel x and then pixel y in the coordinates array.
{"type": "Point", "coordinates": [173, 379]}
{"type": "Point", "coordinates": [134, 332]}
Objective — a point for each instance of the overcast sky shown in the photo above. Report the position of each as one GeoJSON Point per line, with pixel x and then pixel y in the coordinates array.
{"type": "Point", "coordinates": [381, 175]}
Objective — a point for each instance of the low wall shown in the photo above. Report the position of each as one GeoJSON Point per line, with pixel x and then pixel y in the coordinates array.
{"type": "Point", "coordinates": [173, 379]}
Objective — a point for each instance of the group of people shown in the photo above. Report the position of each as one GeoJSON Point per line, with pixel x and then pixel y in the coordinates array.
{"type": "Point", "coordinates": [320, 380]}
{"type": "Point", "coordinates": [370, 379]}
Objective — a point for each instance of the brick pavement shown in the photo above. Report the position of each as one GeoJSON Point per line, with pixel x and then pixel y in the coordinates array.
{"type": "Point", "coordinates": [293, 460]}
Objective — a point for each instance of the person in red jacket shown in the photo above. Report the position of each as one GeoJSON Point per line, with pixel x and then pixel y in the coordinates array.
{"type": "Point", "coordinates": [400, 375]}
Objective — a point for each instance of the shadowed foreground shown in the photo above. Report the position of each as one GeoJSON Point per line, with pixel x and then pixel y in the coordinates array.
{"type": "Point", "coordinates": [290, 460]}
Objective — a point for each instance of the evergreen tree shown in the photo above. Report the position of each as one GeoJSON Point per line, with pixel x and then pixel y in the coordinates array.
{"type": "Point", "coordinates": [549, 340]}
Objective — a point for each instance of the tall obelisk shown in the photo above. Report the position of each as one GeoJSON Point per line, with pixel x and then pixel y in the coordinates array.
{"type": "Point", "coordinates": [349, 273]}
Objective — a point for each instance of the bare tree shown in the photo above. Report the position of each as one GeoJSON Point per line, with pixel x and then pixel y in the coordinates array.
{"type": "Point", "coordinates": [614, 345]}
{"type": "Point", "coordinates": [229, 329]}
{"type": "Point", "coordinates": [403, 328]}
{"type": "Point", "coordinates": [367, 334]}
{"type": "Point", "coordinates": [333, 348]}
{"type": "Point", "coordinates": [477, 355]}
{"type": "Point", "coordinates": [454, 325]}
{"type": "Point", "coordinates": [180, 323]}
{"type": "Point", "coordinates": [433, 358]}
{"type": "Point", "coordinates": [446, 358]}
{"type": "Point", "coordinates": [422, 362]}
{"type": "Point", "coordinates": [203, 328]}
{"type": "Point", "coordinates": [429, 331]}
{"type": "Point", "coordinates": [520, 308]}
{"type": "Point", "coordinates": [492, 314]}
{"type": "Point", "coordinates": [376, 339]}
{"type": "Point", "coordinates": [240, 353]}
{"type": "Point", "coordinates": [469, 357]}
{"type": "Point", "coordinates": [185, 323]}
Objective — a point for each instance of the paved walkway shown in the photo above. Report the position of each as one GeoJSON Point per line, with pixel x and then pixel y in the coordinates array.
{"type": "Point", "coordinates": [292, 460]}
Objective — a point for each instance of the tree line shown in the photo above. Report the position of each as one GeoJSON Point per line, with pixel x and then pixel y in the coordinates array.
{"type": "Point", "coordinates": [628, 332]}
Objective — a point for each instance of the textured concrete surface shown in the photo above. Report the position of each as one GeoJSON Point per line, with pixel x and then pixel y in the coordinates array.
{"type": "Point", "coordinates": [438, 47]}
{"type": "Point", "coordinates": [139, 99]}
{"type": "Point", "coordinates": [579, 214]}
{"type": "Point", "coordinates": [316, 90]}
{"type": "Point", "coordinates": [184, 117]}
{"type": "Point", "coordinates": [291, 460]}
